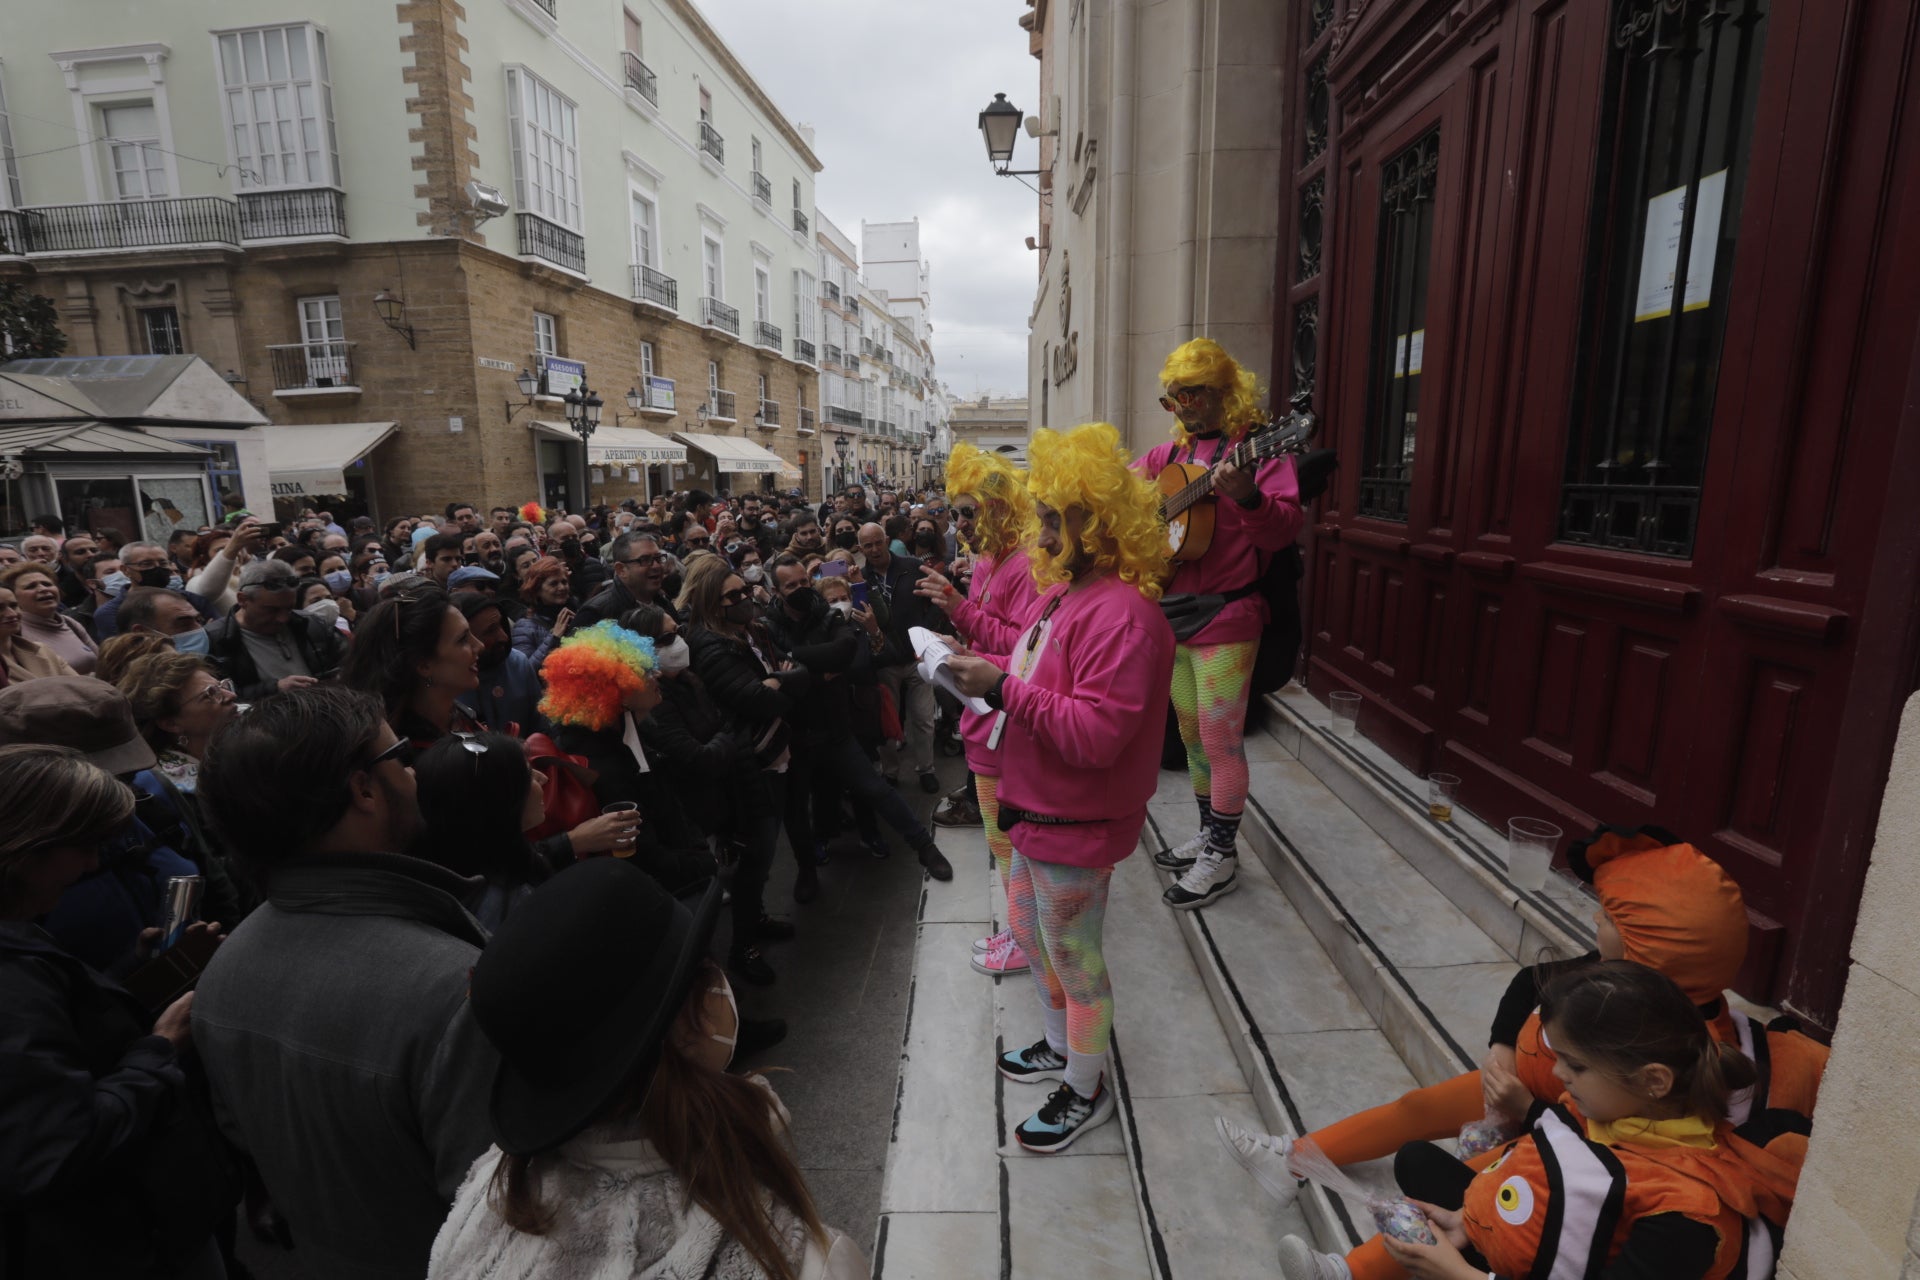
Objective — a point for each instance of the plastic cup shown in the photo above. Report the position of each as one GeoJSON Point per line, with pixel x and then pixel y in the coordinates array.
{"type": "Point", "coordinates": [623, 848]}
{"type": "Point", "coordinates": [1530, 845]}
{"type": "Point", "coordinates": [1346, 712]}
{"type": "Point", "coordinates": [1441, 790]}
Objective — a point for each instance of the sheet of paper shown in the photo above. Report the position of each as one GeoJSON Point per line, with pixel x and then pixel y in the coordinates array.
{"type": "Point", "coordinates": [1660, 249]}
{"type": "Point", "coordinates": [933, 650]}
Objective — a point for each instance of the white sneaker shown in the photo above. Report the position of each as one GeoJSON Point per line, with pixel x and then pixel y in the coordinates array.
{"type": "Point", "coordinates": [983, 945]}
{"type": "Point", "coordinates": [1213, 876]}
{"type": "Point", "coordinates": [1264, 1155]}
{"type": "Point", "coordinates": [1298, 1261]}
{"type": "Point", "coordinates": [1181, 856]}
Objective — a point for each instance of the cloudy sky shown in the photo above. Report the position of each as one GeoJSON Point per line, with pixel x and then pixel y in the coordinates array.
{"type": "Point", "coordinates": [893, 89]}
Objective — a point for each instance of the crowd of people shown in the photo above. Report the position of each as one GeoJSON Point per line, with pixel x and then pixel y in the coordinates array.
{"type": "Point", "coordinates": [466, 798]}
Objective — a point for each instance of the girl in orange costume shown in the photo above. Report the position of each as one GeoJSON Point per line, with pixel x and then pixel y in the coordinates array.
{"type": "Point", "coordinates": [1663, 904]}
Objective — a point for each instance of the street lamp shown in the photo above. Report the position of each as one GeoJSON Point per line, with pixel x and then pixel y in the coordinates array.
{"type": "Point", "coordinates": [999, 125]}
{"type": "Point", "coordinates": [528, 382]}
{"type": "Point", "coordinates": [583, 418]}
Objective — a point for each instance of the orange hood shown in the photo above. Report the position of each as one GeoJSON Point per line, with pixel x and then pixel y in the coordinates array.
{"type": "Point", "coordinates": [1676, 910]}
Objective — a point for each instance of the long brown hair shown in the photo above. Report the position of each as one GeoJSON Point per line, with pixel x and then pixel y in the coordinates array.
{"type": "Point", "coordinates": [714, 1130]}
{"type": "Point", "coordinates": [1625, 1016]}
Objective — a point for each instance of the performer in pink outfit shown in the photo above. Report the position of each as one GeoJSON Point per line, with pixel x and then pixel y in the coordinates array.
{"type": "Point", "coordinates": [1084, 691]}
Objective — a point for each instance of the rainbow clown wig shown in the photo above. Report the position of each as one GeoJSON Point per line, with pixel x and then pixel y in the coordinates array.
{"type": "Point", "coordinates": [1205, 363]}
{"type": "Point", "coordinates": [592, 673]}
{"type": "Point", "coordinates": [1006, 507]}
{"type": "Point", "coordinates": [534, 514]}
{"type": "Point", "coordinates": [1088, 468]}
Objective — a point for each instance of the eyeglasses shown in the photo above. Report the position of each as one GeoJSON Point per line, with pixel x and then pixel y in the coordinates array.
{"type": "Point", "coordinates": [401, 753]}
{"type": "Point", "coordinates": [1182, 397]}
{"type": "Point", "coordinates": [702, 541]}
{"type": "Point", "coordinates": [218, 691]}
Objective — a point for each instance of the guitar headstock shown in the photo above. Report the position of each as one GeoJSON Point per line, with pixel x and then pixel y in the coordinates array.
{"type": "Point", "coordinates": [1288, 433]}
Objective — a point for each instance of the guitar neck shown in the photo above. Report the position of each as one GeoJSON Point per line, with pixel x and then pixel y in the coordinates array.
{"type": "Point", "coordinates": [1201, 489]}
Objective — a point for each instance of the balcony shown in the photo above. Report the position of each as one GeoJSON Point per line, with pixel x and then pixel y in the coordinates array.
{"type": "Point", "coordinates": [763, 190]}
{"type": "Point", "coordinates": [552, 243]}
{"type": "Point", "coordinates": [640, 78]}
{"type": "Point", "coordinates": [842, 416]}
{"type": "Point", "coordinates": [655, 398]}
{"type": "Point", "coordinates": [712, 143]}
{"type": "Point", "coordinates": [550, 7]}
{"type": "Point", "coordinates": [654, 288]}
{"type": "Point", "coordinates": [800, 223]}
{"type": "Point", "coordinates": [766, 335]}
{"type": "Point", "coordinates": [833, 293]}
{"type": "Point", "coordinates": [122, 225]}
{"type": "Point", "coordinates": [303, 369]}
{"type": "Point", "coordinates": [720, 406]}
{"type": "Point", "coordinates": [769, 415]}
{"type": "Point", "coordinates": [833, 354]}
{"type": "Point", "coordinates": [807, 427]}
{"type": "Point", "coordinates": [715, 314]}
{"type": "Point", "coordinates": [13, 233]}
{"type": "Point", "coordinates": [853, 362]}
{"type": "Point", "coordinates": [308, 213]}
{"type": "Point", "coordinates": [803, 352]}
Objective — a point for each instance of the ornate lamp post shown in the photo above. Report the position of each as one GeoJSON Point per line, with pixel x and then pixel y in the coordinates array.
{"type": "Point", "coordinates": [583, 417]}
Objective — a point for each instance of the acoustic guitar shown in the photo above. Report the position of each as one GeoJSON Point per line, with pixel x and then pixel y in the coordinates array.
{"type": "Point", "coordinates": [1186, 488]}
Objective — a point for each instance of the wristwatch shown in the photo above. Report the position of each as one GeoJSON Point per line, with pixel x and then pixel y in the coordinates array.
{"type": "Point", "coordinates": [992, 696]}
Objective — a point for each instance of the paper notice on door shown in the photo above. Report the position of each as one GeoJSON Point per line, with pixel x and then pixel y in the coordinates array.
{"type": "Point", "coordinates": [1400, 356]}
{"type": "Point", "coordinates": [1660, 250]}
{"type": "Point", "coordinates": [1416, 351]}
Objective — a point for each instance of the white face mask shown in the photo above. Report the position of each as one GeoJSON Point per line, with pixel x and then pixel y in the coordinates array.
{"type": "Point", "coordinates": [843, 607]}
{"type": "Point", "coordinates": [328, 611]}
{"type": "Point", "coordinates": [673, 659]}
{"type": "Point", "coordinates": [726, 989]}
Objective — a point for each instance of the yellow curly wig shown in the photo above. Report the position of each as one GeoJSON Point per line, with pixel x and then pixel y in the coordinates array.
{"type": "Point", "coordinates": [991, 479]}
{"type": "Point", "coordinates": [1088, 468]}
{"type": "Point", "coordinates": [1205, 363]}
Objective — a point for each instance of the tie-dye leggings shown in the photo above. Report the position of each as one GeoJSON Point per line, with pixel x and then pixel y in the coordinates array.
{"type": "Point", "coordinates": [986, 790]}
{"type": "Point", "coordinates": [1210, 702]}
{"type": "Point", "coordinates": [1057, 914]}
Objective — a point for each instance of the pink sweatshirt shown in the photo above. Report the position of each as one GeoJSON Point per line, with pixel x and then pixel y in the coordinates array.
{"type": "Point", "coordinates": [1243, 540]}
{"type": "Point", "coordinates": [1001, 603]}
{"type": "Point", "coordinates": [1084, 728]}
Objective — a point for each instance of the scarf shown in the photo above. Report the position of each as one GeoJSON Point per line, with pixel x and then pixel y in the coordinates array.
{"type": "Point", "coordinates": [1639, 1131]}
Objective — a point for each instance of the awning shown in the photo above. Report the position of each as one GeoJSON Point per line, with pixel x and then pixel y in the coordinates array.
{"type": "Point", "coordinates": [94, 439]}
{"type": "Point", "coordinates": [305, 462]}
{"type": "Point", "coordinates": [733, 455]}
{"type": "Point", "coordinates": [620, 446]}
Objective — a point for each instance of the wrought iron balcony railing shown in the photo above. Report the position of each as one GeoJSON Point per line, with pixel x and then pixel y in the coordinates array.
{"type": "Point", "coordinates": [843, 416]}
{"type": "Point", "coordinates": [712, 143]}
{"type": "Point", "coordinates": [133, 224]}
{"type": "Point", "coordinates": [655, 286]}
{"type": "Point", "coordinates": [542, 239]}
{"type": "Point", "coordinates": [803, 351]}
{"type": "Point", "coordinates": [313, 366]}
{"type": "Point", "coordinates": [720, 406]}
{"type": "Point", "coordinates": [766, 335]}
{"type": "Point", "coordinates": [762, 189]}
{"type": "Point", "coordinates": [769, 415]}
{"type": "Point", "coordinates": [807, 427]}
{"type": "Point", "coordinates": [716, 314]}
{"type": "Point", "coordinates": [13, 232]}
{"type": "Point", "coordinates": [800, 223]}
{"type": "Point", "coordinates": [299, 214]}
{"type": "Point", "coordinates": [640, 78]}
{"type": "Point", "coordinates": [832, 354]}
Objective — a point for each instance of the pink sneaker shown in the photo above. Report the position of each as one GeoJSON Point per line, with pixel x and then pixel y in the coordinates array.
{"type": "Point", "coordinates": [1006, 958]}
{"type": "Point", "coordinates": [983, 945]}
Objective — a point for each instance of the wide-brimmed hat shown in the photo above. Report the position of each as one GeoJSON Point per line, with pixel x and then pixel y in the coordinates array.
{"type": "Point", "coordinates": [578, 989]}
{"type": "Point", "coordinates": [89, 715]}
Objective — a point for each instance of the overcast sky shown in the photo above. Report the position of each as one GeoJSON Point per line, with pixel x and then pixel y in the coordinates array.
{"type": "Point", "coordinates": [893, 89]}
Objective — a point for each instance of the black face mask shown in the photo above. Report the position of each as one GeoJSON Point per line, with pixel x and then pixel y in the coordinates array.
{"type": "Point", "coordinates": [802, 599]}
{"type": "Point", "coordinates": [847, 538]}
{"type": "Point", "coordinates": [570, 549]}
{"type": "Point", "coordinates": [741, 612]}
{"type": "Point", "coordinates": [928, 540]}
{"type": "Point", "coordinates": [159, 577]}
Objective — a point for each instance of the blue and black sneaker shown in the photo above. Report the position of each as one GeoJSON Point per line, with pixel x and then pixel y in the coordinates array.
{"type": "Point", "coordinates": [1065, 1117]}
{"type": "Point", "coordinates": [1037, 1061]}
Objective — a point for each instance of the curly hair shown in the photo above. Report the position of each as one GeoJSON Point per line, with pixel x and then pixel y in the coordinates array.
{"type": "Point", "coordinates": [1087, 468]}
{"type": "Point", "coordinates": [156, 686]}
{"type": "Point", "coordinates": [537, 575]}
{"type": "Point", "coordinates": [1205, 363]}
{"type": "Point", "coordinates": [592, 673]}
{"type": "Point", "coordinates": [1007, 508]}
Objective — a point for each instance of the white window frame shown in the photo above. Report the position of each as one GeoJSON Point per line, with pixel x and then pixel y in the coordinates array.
{"type": "Point", "coordinates": [10, 197]}
{"type": "Point", "coordinates": [323, 334]}
{"type": "Point", "coordinates": [546, 336]}
{"type": "Point", "coordinates": [632, 31]}
{"type": "Point", "coordinates": [646, 363]}
{"type": "Point", "coordinates": [150, 85]}
{"type": "Point", "coordinates": [647, 253]}
{"type": "Point", "coordinates": [295, 110]}
{"type": "Point", "coordinates": [762, 292]}
{"type": "Point", "coordinates": [138, 157]}
{"type": "Point", "coordinates": [806, 304]}
{"type": "Point", "coordinates": [706, 105]}
{"type": "Point", "coordinates": [759, 155]}
{"type": "Point", "coordinates": [544, 125]}
{"type": "Point", "coordinates": [713, 268]}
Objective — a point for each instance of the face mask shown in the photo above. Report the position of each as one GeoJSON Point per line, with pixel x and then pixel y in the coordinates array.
{"type": "Point", "coordinates": [194, 641]}
{"type": "Point", "coordinates": [673, 659]}
{"type": "Point", "coordinates": [160, 577]}
{"type": "Point", "coordinates": [328, 611]}
{"type": "Point", "coordinates": [741, 613]}
{"type": "Point", "coordinates": [379, 578]}
{"type": "Point", "coordinates": [802, 599]}
{"type": "Point", "coordinates": [116, 582]}
{"type": "Point", "coordinates": [570, 550]}
{"type": "Point", "coordinates": [751, 573]}
{"type": "Point", "coordinates": [842, 607]}
{"type": "Point", "coordinates": [846, 538]}
{"type": "Point", "coordinates": [726, 989]}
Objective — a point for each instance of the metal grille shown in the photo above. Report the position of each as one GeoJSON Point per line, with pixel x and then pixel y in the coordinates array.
{"type": "Point", "coordinates": [1316, 114]}
{"type": "Point", "coordinates": [803, 351]}
{"type": "Point", "coordinates": [292, 215]}
{"type": "Point", "coordinates": [1399, 327]}
{"type": "Point", "coordinates": [655, 287]}
{"type": "Point", "coordinates": [640, 78]}
{"type": "Point", "coordinates": [1306, 350]}
{"type": "Point", "coordinates": [542, 239]}
{"type": "Point", "coordinates": [766, 335]}
{"type": "Point", "coordinates": [1313, 199]}
{"type": "Point", "coordinates": [712, 143]}
{"type": "Point", "coordinates": [716, 314]}
{"type": "Point", "coordinates": [762, 189]}
{"type": "Point", "coordinates": [132, 224]}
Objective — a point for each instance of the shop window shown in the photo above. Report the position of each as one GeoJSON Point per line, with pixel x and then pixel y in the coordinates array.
{"type": "Point", "coordinates": [1677, 128]}
{"type": "Point", "coordinates": [1399, 328]}
{"type": "Point", "coordinates": [223, 473]}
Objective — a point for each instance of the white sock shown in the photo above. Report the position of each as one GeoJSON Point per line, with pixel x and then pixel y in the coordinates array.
{"type": "Point", "coordinates": [1056, 1020]}
{"type": "Point", "coordinates": [1084, 1071]}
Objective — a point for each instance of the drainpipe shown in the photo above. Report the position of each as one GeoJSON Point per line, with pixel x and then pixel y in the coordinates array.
{"type": "Point", "coordinates": [1119, 203]}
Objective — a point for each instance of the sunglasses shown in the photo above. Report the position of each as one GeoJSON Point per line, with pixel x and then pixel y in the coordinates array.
{"type": "Point", "coordinates": [699, 542]}
{"type": "Point", "coordinates": [1182, 397]}
{"type": "Point", "coordinates": [966, 513]}
{"type": "Point", "coordinates": [401, 753]}
{"type": "Point", "coordinates": [732, 597]}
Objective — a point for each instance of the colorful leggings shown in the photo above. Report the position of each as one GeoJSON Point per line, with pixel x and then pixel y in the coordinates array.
{"type": "Point", "coordinates": [986, 791]}
{"type": "Point", "coordinates": [1057, 913]}
{"type": "Point", "coordinates": [1210, 702]}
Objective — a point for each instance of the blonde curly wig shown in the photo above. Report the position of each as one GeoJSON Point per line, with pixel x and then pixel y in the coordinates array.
{"type": "Point", "coordinates": [1006, 508]}
{"type": "Point", "coordinates": [1205, 363]}
{"type": "Point", "coordinates": [1088, 468]}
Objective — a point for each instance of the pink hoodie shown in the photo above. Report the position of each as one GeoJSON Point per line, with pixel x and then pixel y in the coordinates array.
{"type": "Point", "coordinates": [1001, 602]}
{"type": "Point", "coordinates": [1083, 731]}
{"type": "Point", "coordinates": [1243, 540]}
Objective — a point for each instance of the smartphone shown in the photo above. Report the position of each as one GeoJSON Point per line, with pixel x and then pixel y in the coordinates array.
{"type": "Point", "coordinates": [270, 529]}
{"type": "Point", "coordinates": [859, 594]}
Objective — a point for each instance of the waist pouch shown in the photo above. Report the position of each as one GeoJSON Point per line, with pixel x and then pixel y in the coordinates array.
{"type": "Point", "coordinates": [1011, 817]}
{"type": "Point", "coordinates": [1189, 615]}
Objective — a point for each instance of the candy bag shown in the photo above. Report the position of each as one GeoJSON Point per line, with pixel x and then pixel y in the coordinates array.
{"type": "Point", "coordinates": [1395, 1216]}
{"type": "Point", "coordinates": [1482, 1136]}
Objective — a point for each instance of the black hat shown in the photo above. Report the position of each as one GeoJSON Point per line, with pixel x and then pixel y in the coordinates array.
{"type": "Point", "coordinates": [577, 990]}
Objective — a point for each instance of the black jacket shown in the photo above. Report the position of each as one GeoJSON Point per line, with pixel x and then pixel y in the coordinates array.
{"type": "Point", "coordinates": [590, 574]}
{"type": "Point", "coordinates": [733, 678]}
{"type": "Point", "coordinates": [825, 644]}
{"type": "Point", "coordinates": [317, 643]}
{"type": "Point", "coordinates": [905, 610]}
{"type": "Point", "coordinates": [612, 601]}
{"type": "Point", "coordinates": [110, 1161]}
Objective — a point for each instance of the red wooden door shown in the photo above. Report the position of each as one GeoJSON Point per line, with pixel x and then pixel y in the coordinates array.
{"type": "Point", "coordinates": [1735, 691]}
